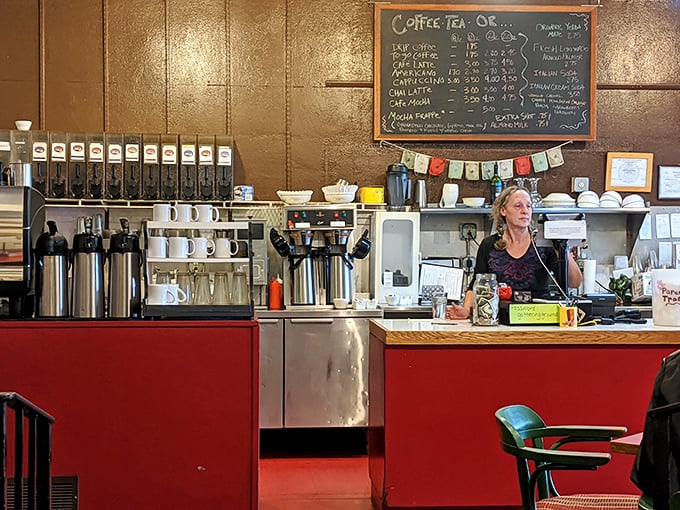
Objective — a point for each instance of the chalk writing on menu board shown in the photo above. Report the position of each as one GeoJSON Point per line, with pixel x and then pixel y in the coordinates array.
{"type": "Point", "coordinates": [457, 72]}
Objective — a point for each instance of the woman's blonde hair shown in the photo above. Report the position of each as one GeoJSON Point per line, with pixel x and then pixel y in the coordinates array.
{"type": "Point", "coordinates": [499, 219]}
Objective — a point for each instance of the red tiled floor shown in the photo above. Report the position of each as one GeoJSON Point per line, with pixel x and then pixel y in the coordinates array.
{"type": "Point", "coordinates": [315, 483]}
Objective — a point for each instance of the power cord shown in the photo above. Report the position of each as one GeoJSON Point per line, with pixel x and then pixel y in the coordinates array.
{"type": "Point", "coordinates": [569, 300]}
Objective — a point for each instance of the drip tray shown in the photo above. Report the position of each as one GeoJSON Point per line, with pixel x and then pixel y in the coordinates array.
{"type": "Point", "coordinates": [229, 312]}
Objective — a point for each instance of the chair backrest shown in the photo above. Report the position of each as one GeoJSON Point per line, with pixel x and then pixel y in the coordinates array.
{"type": "Point", "coordinates": [516, 424]}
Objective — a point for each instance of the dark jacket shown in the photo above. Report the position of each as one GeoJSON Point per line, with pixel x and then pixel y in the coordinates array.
{"type": "Point", "coordinates": [657, 466]}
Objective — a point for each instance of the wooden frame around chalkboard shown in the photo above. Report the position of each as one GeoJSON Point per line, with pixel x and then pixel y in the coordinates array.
{"type": "Point", "coordinates": [558, 134]}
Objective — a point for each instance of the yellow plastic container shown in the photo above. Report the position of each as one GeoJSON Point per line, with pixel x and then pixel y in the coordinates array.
{"type": "Point", "coordinates": [372, 195]}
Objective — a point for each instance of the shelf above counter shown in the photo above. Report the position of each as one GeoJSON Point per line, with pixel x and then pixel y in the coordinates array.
{"type": "Point", "coordinates": [192, 260]}
{"type": "Point", "coordinates": [538, 210]}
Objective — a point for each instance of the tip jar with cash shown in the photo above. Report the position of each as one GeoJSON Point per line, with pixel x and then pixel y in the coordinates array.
{"type": "Point", "coordinates": [485, 300]}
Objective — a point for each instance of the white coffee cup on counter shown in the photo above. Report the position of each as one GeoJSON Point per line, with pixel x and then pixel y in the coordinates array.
{"type": "Point", "coordinates": [203, 247]}
{"type": "Point", "coordinates": [157, 247]}
{"type": "Point", "coordinates": [186, 213]}
{"type": "Point", "coordinates": [225, 248]}
{"type": "Point", "coordinates": [159, 294]}
{"type": "Point", "coordinates": [177, 295]}
{"type": "Point", "coordinates": [181, 247]}
{"type": "Point", "coordinates": [207, 213]}
{"type": "Point", "coordinates": [164, 212]}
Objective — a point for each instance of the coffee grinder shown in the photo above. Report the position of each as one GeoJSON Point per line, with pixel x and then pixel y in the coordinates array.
{"type": "Point", "coordinates": [22, 215]}
{"type": "Point", "coordinates": [319, 266]}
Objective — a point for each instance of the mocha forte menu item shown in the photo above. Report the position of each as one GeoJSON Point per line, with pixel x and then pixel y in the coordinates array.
{"type": "Point", "coordinates": [457, 72]}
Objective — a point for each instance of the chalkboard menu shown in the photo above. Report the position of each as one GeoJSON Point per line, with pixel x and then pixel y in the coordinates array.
{"type": "Point", "coordinates": [470, 72]}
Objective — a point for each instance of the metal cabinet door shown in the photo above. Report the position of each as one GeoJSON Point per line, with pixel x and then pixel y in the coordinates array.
{"type": "Point", "coordinates": [326, 372]}
{"type": "Point", "coordinates": [271, 373]}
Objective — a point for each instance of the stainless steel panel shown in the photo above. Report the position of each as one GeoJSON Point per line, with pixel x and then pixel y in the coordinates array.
{"type": "Point", "coordinates": [326, 372]}
{"type": "Point", "coordinates": [271, 373]}
{"type": "Point", "coordinates": [11, 230]}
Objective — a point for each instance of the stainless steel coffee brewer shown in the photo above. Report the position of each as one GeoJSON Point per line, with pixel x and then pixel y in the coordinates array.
{"type": "Point", "coordinates": [51, 278]}
{"type": "Point", "coordinates": [22, 216]}
{"type": "Point", "coordinates": [87, 293]}
{"type": "Point", "coordinates": [125, 262]}
{"type": "Point", "coordinates": [319, 264]}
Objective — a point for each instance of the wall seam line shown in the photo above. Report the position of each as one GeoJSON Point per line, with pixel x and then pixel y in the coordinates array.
{"type": "Point", "coordinates": [287, 95]}
{"type": "Point", "coordinates": [41, 64]}
{"type": "Point", "coordinates": [105, 70]}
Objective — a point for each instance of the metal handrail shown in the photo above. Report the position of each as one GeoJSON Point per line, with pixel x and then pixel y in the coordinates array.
{"type": "Point", "coordinates": [39, 452]}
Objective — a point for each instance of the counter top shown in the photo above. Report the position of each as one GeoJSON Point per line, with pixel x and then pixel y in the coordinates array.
{"type": "Point", "coordinates": [462, 333]}
{"type": "Point", "coordinates": [312, 313]}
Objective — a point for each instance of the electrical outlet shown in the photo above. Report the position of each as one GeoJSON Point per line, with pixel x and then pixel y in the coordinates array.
{"type": "Point", "coordinates": [579, 184]}
{"type": "Point", "coordinates": [468, 231]}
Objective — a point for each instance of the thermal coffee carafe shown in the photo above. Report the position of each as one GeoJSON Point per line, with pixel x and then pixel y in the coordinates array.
{"type": "Point", "coordinates": [398, 187]}
{"type": "Point", "coordinates": [302, 268]}
{"type": "Point", "coordinates": [51, 279]}
{"type": "Point", "coordinates": [87, 292]}
{"type": "Point", "coordinates": [125, 262]}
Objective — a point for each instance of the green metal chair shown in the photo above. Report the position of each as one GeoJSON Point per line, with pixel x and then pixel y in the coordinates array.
{"type": "Point", "coordinates": [522, 434]}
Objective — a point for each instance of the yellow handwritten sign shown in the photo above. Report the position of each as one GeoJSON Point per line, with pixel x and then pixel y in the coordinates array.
{"type": "Point", "coordinates": [534, 313]}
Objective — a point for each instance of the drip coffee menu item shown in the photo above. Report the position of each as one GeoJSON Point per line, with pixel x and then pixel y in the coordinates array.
{"type": "Point", "coordinates": [464, 72]}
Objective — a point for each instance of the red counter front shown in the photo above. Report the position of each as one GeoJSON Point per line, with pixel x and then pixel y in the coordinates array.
{"type": "Point", "coordinates": [433, 440]}
{"type": "Point", "coordinates": [149, 415]}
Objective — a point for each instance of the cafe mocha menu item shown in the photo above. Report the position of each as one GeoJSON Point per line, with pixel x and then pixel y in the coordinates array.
{"type": "Point", "coordinates": [484, 72]}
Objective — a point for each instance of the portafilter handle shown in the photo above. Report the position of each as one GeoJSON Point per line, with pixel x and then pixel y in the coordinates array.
{"type": "Point", "coordinates": [362, 247]}
{"type": "Point", "coordinates": [279, 243]}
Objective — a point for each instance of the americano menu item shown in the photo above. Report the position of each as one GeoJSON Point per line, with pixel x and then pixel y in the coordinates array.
{"type": "Point", "coordinates": [470, 72]}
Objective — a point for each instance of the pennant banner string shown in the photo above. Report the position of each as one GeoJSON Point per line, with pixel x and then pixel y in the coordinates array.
{"type": "Point", "coordinates": [384, 143]}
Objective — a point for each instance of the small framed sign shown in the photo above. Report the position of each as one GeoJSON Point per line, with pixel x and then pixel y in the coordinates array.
{"type": "Point", "coordinates": [669, 182]}
{"type": "Point", "coordinates": [629, 171]}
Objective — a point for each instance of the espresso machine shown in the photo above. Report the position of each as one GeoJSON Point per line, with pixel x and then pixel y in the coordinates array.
{"type": "Point", "coordinates": [319, 266]}
{"type": "Point", "coordinates": [22, 216]}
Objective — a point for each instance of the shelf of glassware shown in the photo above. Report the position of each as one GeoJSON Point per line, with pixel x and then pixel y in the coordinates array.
{"type": "Point", "coordinates": [193, 225]}
{"type": "Point", "coordinates": [207, 310]}
{"type": "Point", "coordinates": [462, 209]}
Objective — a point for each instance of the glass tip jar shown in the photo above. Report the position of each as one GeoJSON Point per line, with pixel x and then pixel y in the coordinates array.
{"type": "Point", "coordinates": [485, 300]}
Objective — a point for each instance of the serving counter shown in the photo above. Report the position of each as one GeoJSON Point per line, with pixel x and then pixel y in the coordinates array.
{"type": "Point", "coordinates": [149, 414]}
{"type": "Point", "coordinates": [434, 390]}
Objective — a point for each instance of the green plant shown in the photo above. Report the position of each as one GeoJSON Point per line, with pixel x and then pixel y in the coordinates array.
{"type": "Point", "coordinates": [621, 287]}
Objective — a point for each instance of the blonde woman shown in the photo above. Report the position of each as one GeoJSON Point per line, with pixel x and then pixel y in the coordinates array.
{"type": "Point", "coordinates": [509, 252]}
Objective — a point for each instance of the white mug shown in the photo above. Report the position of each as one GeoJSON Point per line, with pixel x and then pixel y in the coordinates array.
{"type": "Point", "coordinates": [449, 195]}
{"type": "Point", "coordinates": [159, 294]}
{"type": "Point", "coordinates": [178, 295]}
{"type": "Point", "coordinates": [186, 213]}
{"type": "Point", "coordinates": [181, 247]}
{"type": "Point", "coordinates": [207, 213]}
{"type": "Point", "coordinates": [225, 248]}
{"type": "Point", "coordinates": [164, 212]}
{"type": "Point", "coordinates": [203, 247]}
{"type": "Point", "coordinates": [158, 247]}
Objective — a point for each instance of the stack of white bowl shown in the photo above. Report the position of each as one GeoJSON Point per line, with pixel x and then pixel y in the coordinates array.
{"type": "Point", "coordinates": [588, 199]}
{"type": "Point", "coordinates": [611, 199]}
{"type": "Point", "coordinates": [633, 201]}
{"type": "Point", "coordinates": [558, 200]}
{"type": "Point", "coordinates": [339, 193]}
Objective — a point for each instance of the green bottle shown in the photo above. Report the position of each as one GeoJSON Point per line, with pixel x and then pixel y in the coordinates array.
{"type": "Point", "coordinates": [496, 184]}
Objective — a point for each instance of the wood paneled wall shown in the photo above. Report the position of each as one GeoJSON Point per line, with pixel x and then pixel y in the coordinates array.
{"type": "Point", "coordinates": [259, 71]}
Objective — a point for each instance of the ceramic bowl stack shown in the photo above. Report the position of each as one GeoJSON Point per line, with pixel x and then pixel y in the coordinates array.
{"type": "Point", "coordinates": [588, 199]}
{"type": "Point", "coordinates": [295, 197]}
{"type": "Point", "coordinates": [339, 193]}
{"type": "Point", "coordinates": [474, 201]}
{"type": "Point", "coordinates": [561, 200]}
{"type": "Point", "coordinates": [611, 200]}
{"type": "Point", "coordinates": [633, 201]}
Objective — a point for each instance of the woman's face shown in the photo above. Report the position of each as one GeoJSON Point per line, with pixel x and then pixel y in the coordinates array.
{"type": "Point", "coordinates": [517, 210]}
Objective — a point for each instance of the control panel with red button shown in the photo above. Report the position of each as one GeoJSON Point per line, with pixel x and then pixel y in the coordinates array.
{"type": "Point", "coordinates": [320, 217]}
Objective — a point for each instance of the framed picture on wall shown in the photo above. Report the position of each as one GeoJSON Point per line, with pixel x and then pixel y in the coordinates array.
{"type": "Point", "coordinates": [669, 182]}
{"type": "Point", "coordinates": [629, 171]}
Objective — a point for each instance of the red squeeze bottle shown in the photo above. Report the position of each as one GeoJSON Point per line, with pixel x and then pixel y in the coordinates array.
{"type": "Point", "coordinates": [275, 294]}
